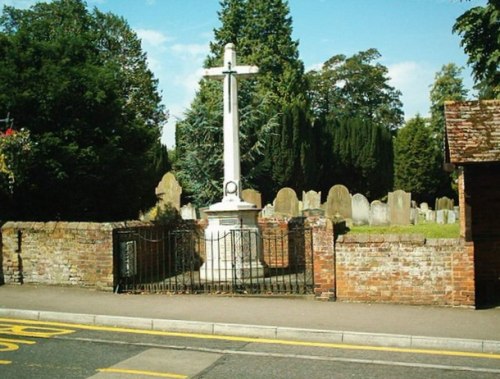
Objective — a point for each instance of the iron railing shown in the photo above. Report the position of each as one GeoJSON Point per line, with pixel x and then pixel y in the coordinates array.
{"type": "Point", "coordinates": [159, 259]}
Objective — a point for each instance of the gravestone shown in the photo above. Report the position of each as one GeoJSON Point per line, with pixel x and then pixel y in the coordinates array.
{"type": "Point", "coordinates": [441, 216]}
{"type": "Point", "coordinates": [430, 216]}
{"type": "Point", "coordinates": [339, 202]}
{"type": "Point", "coordinates": [169, 192]}
{"type": "Point", "coordinates": [188, 212]}
{"type": "Point", "coordinates": [360, 210]}
{"type": "Point", "coordinates": [252, 196]}
{"type": "Point", "coordinates": [286, 203]}
{"type": "Point", "coordinates": [424, 207]}
{"type": "Point", "coordinates": [452, 217]}
{"type": "Point", "coordinates": [399, 203]}
{"type": "Point", "coordinates": [311, 200]}
{"type": "Point", "coordinates": [267, 211]}
{"type": "Point", "coordinates": [444, 203]}
{"type": "Point", "coordinates": [379, 213]}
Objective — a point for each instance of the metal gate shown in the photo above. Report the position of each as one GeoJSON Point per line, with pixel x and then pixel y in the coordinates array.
{"type": "Point", "coordinates": [158, 259]}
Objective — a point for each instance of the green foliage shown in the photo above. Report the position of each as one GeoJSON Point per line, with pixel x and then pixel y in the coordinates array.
{"type": "Point", "coordinates": [355, 87]}
{"type": "Point", "coordinates": [358, 155]}
{"type": "Point", "coordinates": [79, 82]}
{"type": "Point", "coordinates": [275, 128]}
{"type": "Point", "coordinates": [479, 28]}
{"type": "Point", "coordinates": [448, 85]}
{"type": "Point", "coordinates": [356, 111]}
{"type": "Point", "coordinates": [417, 163]}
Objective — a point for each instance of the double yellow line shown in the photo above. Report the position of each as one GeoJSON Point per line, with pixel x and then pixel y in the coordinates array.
{"type": "Point", "coordinates": [260, 340]}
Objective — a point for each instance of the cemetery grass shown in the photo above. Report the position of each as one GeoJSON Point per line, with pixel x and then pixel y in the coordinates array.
{"type": "Point", "coordinates": [430, 230]}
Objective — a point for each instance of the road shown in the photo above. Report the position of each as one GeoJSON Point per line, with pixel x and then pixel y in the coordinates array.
{"type": "Point", "coordinates": [31, 349]}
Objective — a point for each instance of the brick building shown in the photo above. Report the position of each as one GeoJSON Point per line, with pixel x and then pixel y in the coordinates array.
{"type": "Point", "coordinates": [473, 147]}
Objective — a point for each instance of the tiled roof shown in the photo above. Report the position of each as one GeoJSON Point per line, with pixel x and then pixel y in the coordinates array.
{"type": "Point", "coordinates": [473, 131]}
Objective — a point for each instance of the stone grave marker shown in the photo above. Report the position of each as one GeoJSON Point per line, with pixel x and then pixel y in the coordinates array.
{"type": "Point", "coordinates": [252, 196]}
{"type": "Point", "coordinates": [311, 200]}
{"type": "Point", "coordinates": [286, 203]}
{"type": "Point", "coordinates": [339, 202]}
{"type": "Point", "coordinates": [188, 212]}
{"type": "Point", "coordinates": [360, 210]}
{"type": "Point", "coordinates": [399, 203]}
{"type": "Point", "coordinates": [169, 191]}
{"type": "Point", "coordinates": [444, 203]}
{"type": "Point", "coordinates": [267, 211]}
{"type": "Point", "coordinates": [452, 217]}
{"type": "Point", "coordinates": [379, 213]}
{"type": "Point", "coordinates": [441, 216]}
{"type": "Point", "coordinates": [424, 207]}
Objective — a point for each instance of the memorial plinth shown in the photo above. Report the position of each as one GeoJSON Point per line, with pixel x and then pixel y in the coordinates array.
{"type": "Point", "coordinates": [233, 248]}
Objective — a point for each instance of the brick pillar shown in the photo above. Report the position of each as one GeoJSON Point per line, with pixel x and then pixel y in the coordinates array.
{"type": "Point", "coordinates": [323, 257]}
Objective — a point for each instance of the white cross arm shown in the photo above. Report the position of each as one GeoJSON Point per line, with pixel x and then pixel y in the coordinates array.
{"type": "Point", "coordinates": [219, 72]}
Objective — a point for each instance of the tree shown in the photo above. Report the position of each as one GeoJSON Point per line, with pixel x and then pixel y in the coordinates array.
{"type": "Point", "coordinates": [355, 87]}
{"type": "Point", "coordinates": [79, 82]}
{"type": "Point", "coordinates": [480, 31]}
{"type": "Point", "coordinates": [448, 85]}
{"type": "Point", "coordinates": [356, 112]}
{"type": "Point", "coordinates": [417, 163]}
{"type": "Point", "coordinates": [274, 127]}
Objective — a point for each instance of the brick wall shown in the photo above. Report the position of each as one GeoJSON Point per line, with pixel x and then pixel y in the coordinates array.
{"type": "Point", "coordinates": [404, 269]}
{"type": "Point", "coordinates": [62, 253]}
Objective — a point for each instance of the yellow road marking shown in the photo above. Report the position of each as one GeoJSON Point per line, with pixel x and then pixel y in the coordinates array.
{"type": "Point", "coordinates": [8, 344]}
{"type": "Point", "coordinates": [31, 331]}
{"type": "Point", "coordinates": [141, 372]}
{"type": "Point", "coordinates": [264, 340]}
{"type": "Point", "coordinates": [5, 362]}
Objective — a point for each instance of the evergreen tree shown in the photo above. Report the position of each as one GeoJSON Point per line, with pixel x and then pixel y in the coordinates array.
{"type": "Point", "coordinates": [417, 163]}
{"type": "Point", "coordinates": [448, 85]}
{"type": "Point", "coordinates": [356, 111]}
{"type": "Point", "coordinates": [274, 122]}
{"type": "Point", "coordinates": [79, 82]}
{"type": "Point", "coordinates": [355, 87]}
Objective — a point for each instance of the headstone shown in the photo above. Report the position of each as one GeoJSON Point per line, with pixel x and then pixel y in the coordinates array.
{"type": "Point", "coordinates": [339, 202]}
{"type": "Point", "coordinates": [286, 203]}
{"type": "Point", "coordinates": [252, 196]}
{"type": "Point", "coordinates": [267, 211]}
{"type": "Point", "coordinates": [430, 216]}
{"type": "Point", "coordinates": [444, 203]}
{"type": "Point", "coordinates": [379, 213]}
{"type": "Point", "coordinates": [360, 210]}
{"type": "Point", "coordinates": [452, 217]}
{"type": "Point", "coordinates": [424, 207]}
{"type": "Point", "coordinates": [311, 200]}
{"type": "Point", "coordinates": [399, 203]}
{"type": "Point", "coordinates": [169, 191]}
{"type": "Point", "coordinates": [188, 212]}
{"type": "Point", "coordinates": [441, 216]}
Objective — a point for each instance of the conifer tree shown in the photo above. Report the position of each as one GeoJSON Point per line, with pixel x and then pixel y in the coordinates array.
{"type": "Point", "coordinates": [274, 124]}
{"type": "Point", "coordinates": [417, 163]}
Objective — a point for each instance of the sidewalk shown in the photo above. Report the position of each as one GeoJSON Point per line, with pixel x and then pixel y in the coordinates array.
{"type": "Point", "coordinates": [269, 317]}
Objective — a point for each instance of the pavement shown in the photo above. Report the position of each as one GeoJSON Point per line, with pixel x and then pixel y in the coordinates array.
{"type": "Point", "coordinates": [293, 318]}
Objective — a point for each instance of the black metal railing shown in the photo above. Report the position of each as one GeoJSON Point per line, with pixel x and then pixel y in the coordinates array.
{"type": "Point", "coordinates": [159, 259]}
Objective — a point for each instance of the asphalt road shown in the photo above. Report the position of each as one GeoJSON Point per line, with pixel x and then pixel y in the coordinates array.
{"type": "Point", "coordinates": [31, 349]}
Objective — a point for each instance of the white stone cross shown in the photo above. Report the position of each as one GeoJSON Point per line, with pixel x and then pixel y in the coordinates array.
{"type": "Point", "coordinates": [229, 73]}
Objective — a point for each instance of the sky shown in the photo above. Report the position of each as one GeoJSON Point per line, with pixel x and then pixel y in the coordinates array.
{"type": "Point", "coordinates": [414, 38]}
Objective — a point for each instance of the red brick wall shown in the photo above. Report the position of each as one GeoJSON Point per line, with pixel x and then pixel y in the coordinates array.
{"type": "Point", "coordinates": [62, 253]}
{"type": "Point", "coordinates": [405, 269]}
